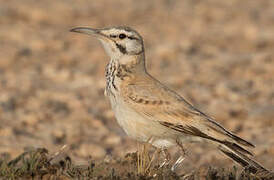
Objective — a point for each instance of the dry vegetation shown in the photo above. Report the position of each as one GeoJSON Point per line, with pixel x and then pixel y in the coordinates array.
{"type": "Point", "coordinates": [218, 54]}
{"type": "Point", "coordinates": [37, 164]}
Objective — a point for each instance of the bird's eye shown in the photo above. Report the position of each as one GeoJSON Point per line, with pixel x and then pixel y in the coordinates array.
{"type": "Point", "coordinates": [122, 36]}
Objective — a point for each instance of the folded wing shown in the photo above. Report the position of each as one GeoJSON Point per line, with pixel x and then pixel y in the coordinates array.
{"type": "Point", "coordinates": [156, 102]}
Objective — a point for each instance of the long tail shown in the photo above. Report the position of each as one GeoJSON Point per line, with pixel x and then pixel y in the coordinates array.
{"type": "Point", "coordinates": [239, 156]}
{"type": "Point", "coordinates": [230, 144]}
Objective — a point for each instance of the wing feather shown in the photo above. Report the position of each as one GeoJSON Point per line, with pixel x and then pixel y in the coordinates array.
{"type": "Point", "coordinates": [156, 102]}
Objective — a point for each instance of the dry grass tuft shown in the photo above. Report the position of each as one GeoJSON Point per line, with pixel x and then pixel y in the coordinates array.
{"type": "Point", "coordinates": [38, 164]}
{"type": "Point", "coordinates": [144, 160]}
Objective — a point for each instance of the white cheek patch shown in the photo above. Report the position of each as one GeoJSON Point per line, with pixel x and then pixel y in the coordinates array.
{"type": "Point", "coordinates": [133, 47]}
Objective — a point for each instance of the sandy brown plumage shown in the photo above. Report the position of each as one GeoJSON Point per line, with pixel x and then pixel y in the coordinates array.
{"type": "Point", "coordinates": [149, 111]}
{"type": "Point", "coordinates": [156, 102]}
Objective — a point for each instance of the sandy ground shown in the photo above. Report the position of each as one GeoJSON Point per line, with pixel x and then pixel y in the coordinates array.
{"type": "Point", "coordinates": [217, 54]}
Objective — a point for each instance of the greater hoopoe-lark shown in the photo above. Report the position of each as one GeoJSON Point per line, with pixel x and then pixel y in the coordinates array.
{"type": "Point", "coordinates": [147, 110]}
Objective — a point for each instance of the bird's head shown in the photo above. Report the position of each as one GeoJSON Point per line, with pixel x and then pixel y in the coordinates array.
{"type": "Point", "coordinates": [117, 41]}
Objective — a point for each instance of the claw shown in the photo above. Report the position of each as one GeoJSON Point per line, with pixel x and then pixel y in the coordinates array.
{"type": "Point", "coordinates": [177, 163]}
{"type": "Point", "coordinates": [164, 163]}
{"type": "Point", "coordinates": [181, 158]}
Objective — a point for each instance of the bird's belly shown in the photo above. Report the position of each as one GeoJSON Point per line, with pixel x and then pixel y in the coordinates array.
{"type": "Point", "coordinates": [140, 128]}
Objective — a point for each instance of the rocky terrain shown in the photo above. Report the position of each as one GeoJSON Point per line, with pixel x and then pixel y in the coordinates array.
{"type": "Point", "coordinates": [218, 54]}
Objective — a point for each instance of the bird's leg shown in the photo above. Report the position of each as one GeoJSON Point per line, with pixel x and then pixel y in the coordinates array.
{"type": "Point", "coordinates": [167, 157]}
{"type": "Point", "coordinates": [159, 150]}
{"type": "Point", "coordinates": [156, 153]}
{"type": "Point", "coordinates": [181, 158]}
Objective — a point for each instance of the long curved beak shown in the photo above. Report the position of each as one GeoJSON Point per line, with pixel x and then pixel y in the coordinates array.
{"type": "Point", "coordinates": [85, 30]}
{"type": "Point", "coordinates": [89, 31]}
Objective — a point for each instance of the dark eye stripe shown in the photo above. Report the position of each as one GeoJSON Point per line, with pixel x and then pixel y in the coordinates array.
{"type": "Point", "coordinates": [132, 37]}
{"type": "Point", "coordinates": [129, 37]}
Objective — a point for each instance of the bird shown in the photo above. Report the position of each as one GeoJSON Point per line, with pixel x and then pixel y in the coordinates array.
{"type": "Point", "coordinates": [149, 111]}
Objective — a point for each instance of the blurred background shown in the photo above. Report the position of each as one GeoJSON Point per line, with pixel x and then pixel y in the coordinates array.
{"type": "Point", "coordinates": [217, 54]}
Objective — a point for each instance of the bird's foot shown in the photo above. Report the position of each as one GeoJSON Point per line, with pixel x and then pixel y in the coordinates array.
{"type": "Point", "coordinates": [177, 163]}
{"type": "Point", "coordinates": [181, 158]}
{"type": "Point", "coordinates": [167, 158]}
